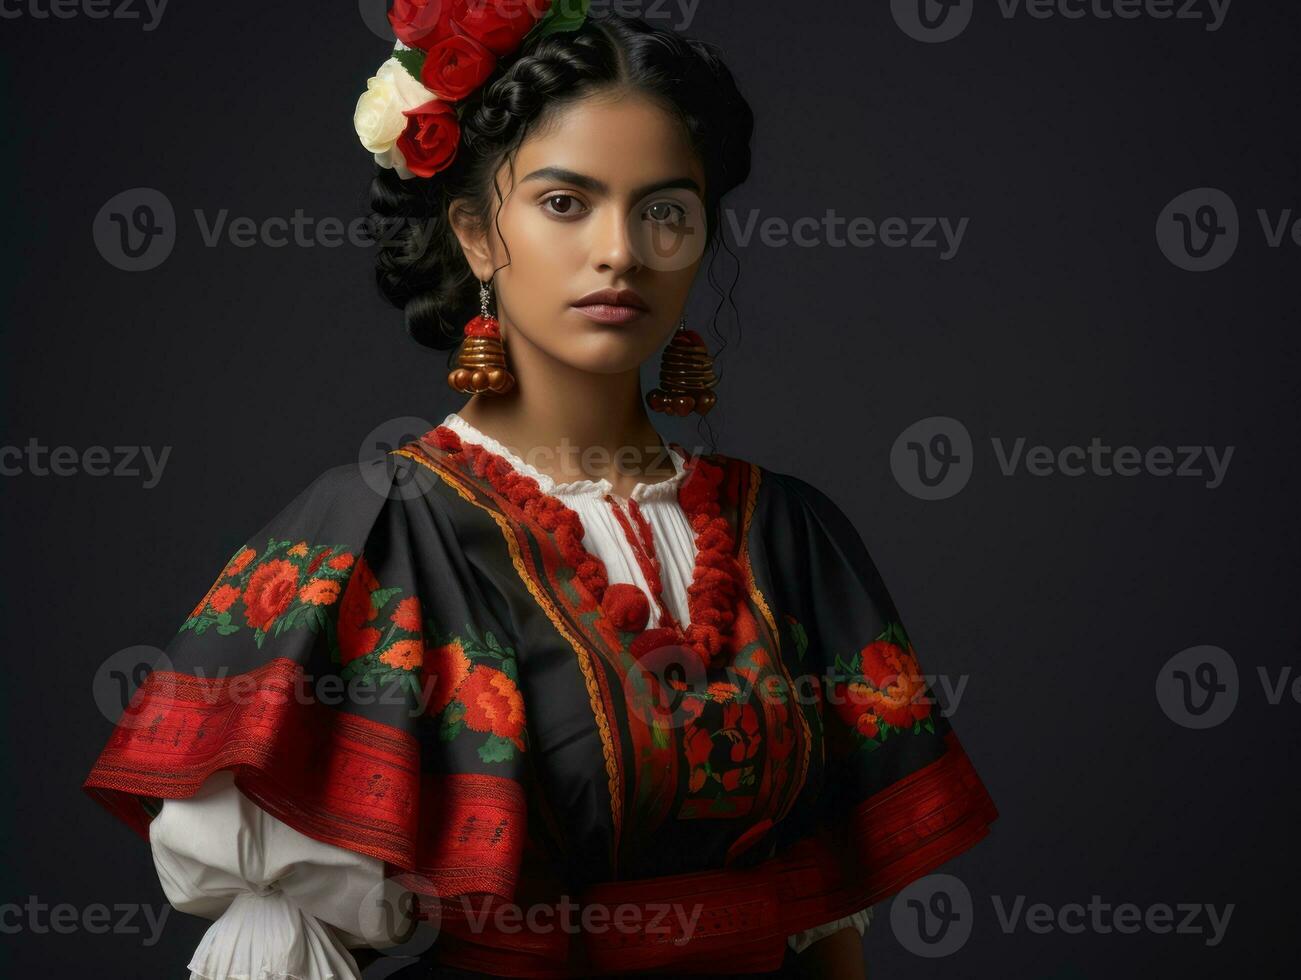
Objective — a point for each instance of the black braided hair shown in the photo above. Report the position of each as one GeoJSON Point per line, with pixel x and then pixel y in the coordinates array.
{"type": "Point", "coordinates": [420, 267]}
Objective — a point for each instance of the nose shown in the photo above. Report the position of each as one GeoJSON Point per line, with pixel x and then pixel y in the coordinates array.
{"type": "Point", "coordinates": [613, 250]}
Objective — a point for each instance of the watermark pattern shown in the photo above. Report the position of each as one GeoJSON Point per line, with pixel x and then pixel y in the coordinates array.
{"type": "Point", "coordinates": [935, 915]}
{"type": "Point", "coordinates": [940, 234]}
{"type": "Point", "coordinates": [937, 21]}
{"type": "Point", "coordinates": [933, 459]}
{"type": "Point", "coordinates": [39, 460]}
{"type": "Point", "coordinates": [676, 14]}
{"type": "Point", "coordinates": [1199, 230]}
{"type": "Point", "coordinates": [65, 918]}
{"type": "Point", "coordinates": [147, 13]}
{"type": "Point", "coordinates": [1199, 687]}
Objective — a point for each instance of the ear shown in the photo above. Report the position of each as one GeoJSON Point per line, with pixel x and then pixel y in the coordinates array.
{"type": "Point", "coordinates": [474, 241]}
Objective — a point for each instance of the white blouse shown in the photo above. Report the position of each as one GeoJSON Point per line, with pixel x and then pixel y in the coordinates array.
{"type": "Point", "coordinates": [287, 906]}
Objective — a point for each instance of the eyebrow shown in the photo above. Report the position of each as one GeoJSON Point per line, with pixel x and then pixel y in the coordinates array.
{"type": "Point", "coordinates": [562, 176]}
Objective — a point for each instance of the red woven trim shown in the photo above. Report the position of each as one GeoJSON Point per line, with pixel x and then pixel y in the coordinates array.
{"type": "Point", "coordinates": [334, 776]}
{"type": "Point", "coordinates": [897, 836]}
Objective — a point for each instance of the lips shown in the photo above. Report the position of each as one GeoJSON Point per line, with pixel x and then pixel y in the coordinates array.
{"type": "Point", "coordinates": [616, 298]}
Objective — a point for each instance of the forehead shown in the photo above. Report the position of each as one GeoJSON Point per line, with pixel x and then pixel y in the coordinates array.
{"type": "Point", "coordinates": [623, 140]}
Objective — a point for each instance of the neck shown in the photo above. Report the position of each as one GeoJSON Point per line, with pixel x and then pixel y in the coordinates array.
{"type": "Point", "coordinates": [572, 424]}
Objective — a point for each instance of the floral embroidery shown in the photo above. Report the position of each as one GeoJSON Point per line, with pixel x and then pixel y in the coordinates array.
{"type": "Point", "coordinates": [881, 691]}
{"type": "Point", "coordinates": [288, 585]}
{"type": "Point", "coordinates": [474, 685]}
{"type": "Point", "coordinates": [798, 634]}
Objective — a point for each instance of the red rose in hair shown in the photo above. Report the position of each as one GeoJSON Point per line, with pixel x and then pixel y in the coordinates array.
{"type": "Point", "coordinates": [499, 25]}
{"type": "Point", "coordinates": [430, 141]}
{"type": "Point", "coordinates": [456, 66]}
{"type": "Point", "coordinates": [421, 23]}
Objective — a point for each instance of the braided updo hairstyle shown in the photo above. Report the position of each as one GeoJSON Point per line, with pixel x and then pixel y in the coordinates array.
{"type": "Point", "coordinates": [420, 266]}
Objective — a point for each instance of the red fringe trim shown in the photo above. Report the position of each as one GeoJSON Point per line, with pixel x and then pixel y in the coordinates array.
{"type": "Point", "coordinates": [717, 582]}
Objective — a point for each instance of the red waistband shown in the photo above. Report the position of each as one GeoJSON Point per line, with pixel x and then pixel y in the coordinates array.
{"type": "Point", "coordinates": [733, 920]}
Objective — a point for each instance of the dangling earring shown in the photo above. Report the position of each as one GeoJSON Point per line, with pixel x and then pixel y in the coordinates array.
{"type": "Point", "coordinates": [686, 376]}
{"type": "Point", "coordinates": [481, 361]}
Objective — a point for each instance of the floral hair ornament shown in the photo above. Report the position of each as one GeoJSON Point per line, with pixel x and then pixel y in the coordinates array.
{"type": "Point", "coordinates": [409, 115]}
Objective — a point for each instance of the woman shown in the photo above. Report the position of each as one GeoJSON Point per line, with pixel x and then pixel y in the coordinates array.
{"type": "Point", "coordinates": [647, 711]}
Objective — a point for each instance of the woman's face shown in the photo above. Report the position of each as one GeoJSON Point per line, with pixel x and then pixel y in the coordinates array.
{"type": "Point", "coordinates": [608, 195]}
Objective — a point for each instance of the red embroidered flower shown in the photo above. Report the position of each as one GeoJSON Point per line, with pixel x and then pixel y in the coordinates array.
{"type": "Point", "coordinates": [224, 598]}
{"type": "Point", "coordinates": [741, 730]}
{"type": "Point", "coordinates": [455, 67]}
{"type": "Point", "coordinates": [429, 143]}
{"type": "Point", "coordinates": [492, 703]}
{"type": "Point", "coordinates": [341, 561]}
{"type": "Point", "coordinates": [898, 677]}
{"type": "Point", "coordinates": [316, 562]}
{"type": "Point", "coordinates": [407, 614]}
{"type": "Point", "coordinates": [270, 590]}
{"type": "Point", "coordinates": [448, 666]}
{"type": "Point", "coordinates": [356, 638]}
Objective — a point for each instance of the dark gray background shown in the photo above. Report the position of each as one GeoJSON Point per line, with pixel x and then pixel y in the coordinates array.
{"type": "Point", "coordinates": [1060, 598]}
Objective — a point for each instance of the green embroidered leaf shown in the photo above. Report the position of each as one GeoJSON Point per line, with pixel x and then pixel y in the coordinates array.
{"type": "Point", "coordinates": [224, 619]}
{"type": "Point", "coordinates": [659, 737]}
{"type": "Point", "coordinates": [226, 630]}
{"type": "Point", "coordinates": [497, 749]}
{"type": "Point", "coordinates": [917, 726]}
{"type": "Point", "coordinates": [801, 639]}
{"type": "Point", "coordinates": [412, 59]}
{"type": "Point", "coordinates": [201, 626]}
{"type": "Point", "coordinates": [380, 597]}
{"type": "Point", "coordinates": [929, 724]}
{"type": "Point", "coordinates": [508, 668]}
{"type": "Point", "coordinates": [449, 729]}
{"type": "Point", "coordinates": [258, 637]}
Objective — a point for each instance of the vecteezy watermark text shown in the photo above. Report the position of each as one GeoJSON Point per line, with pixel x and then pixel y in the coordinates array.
{"type": "Point", "coordinates": [35, 459]}
{"type": "Point", "coordinates": [148, 12]}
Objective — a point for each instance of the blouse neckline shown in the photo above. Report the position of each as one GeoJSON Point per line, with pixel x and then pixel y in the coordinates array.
{"type": "Point", "coordinates": [642, 492]}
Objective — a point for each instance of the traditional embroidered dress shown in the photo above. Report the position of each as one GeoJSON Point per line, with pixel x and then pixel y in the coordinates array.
{"type": "Point", "coordinates": [445, 665]}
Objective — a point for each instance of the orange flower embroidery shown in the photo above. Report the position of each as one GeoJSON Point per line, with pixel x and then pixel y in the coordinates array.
{"type": "Point", "coordinates": [405, 655]}
{"type": "Point", "coordinates": [319, 592]}
{"type": "Point", "coordinates": [224, 598]}
{"type": "Point", "coordinates": [299, 550]}
{"type": "Point", "coordinates": [407, 614]}
{"type": "Point", "coordinates": [492, 703]}
{"type": "Point", "coordinates": [449, 666]}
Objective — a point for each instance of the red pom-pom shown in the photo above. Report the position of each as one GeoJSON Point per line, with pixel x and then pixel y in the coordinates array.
{"type": "Point", "coordinates": [483, 326]}
{"type": "Point", "coordinates": [626, 606]}
{"type": "Point", "coordinates": [444, 438]}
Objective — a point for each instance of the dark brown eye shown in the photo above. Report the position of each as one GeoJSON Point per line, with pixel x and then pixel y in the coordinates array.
{"type": "Point", "coordinates": [567, 207]}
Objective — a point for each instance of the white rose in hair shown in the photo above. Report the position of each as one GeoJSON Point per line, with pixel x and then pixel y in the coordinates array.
{"type": "Point", "coordinates": [379, 120]}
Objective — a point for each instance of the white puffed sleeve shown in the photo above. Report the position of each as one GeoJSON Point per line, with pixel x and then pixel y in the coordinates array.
{"type": "Point", "coordinates": [286, 906]}
{"type": "Point", "coordinates": [859, 920]}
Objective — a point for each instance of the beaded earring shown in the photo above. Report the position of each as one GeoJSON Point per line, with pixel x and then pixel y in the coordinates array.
{"type": "Point", "coordinates": [686, 376]}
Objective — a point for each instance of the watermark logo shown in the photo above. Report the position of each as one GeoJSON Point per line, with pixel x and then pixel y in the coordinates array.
{"type": "Point", "coordinates": [932, 21]}
{"type": "Point", "coordinates": [38, 459]}
{"type": "Point", "coordinates": [149, 13]}
{"type": "Point", "coordinates": [939, 234]}
{"type": "Point", "coordinates": [136, 230]}
{"type": "Point", "coordinates": [1198, 687]}
{"type": "Point", "coordinates": [933, 916]}
{"type": "Point", "coordinates": [383, 471]}
{"type": "Point", "coordinates": [121, 675]}
{"type": "Point", "coordinates": [1198, 230]}
{"type": "Point", "coordinates": [932, 459]}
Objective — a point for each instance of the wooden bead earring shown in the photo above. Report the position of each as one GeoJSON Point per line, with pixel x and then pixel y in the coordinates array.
{"type": "Point", "coordinates": [686, 376]}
